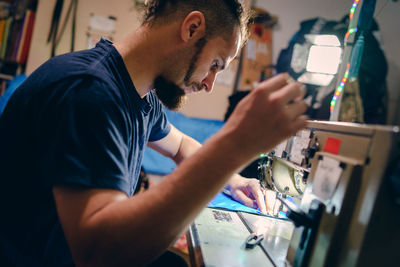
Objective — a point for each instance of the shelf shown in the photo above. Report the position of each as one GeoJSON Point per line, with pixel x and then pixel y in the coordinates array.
{"type": "Point", "coordinates": [6, 77]}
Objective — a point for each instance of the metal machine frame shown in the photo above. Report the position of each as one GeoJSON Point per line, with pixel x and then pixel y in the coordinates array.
{"type": "Point", "coordinates": [348, 214]}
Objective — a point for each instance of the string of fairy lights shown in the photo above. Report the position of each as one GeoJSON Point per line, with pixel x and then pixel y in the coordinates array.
{"type": "Point", "coordinates": [339, 89]}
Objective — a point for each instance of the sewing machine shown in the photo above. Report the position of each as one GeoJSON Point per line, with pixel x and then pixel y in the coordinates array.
{"type": "Point", "coordinates": [340, 184]}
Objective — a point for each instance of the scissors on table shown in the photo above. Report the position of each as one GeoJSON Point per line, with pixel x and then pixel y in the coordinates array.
{"type": "Point", "coordinates": [253, 240]}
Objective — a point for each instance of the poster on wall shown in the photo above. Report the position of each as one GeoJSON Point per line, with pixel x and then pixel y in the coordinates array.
{"type": "Point", "coordinates": [102, 23]}
{"type": "Point", "coordinates": [100, 27]}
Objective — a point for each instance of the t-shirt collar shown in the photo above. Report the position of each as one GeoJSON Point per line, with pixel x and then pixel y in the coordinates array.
{"type": "Point", "coordinates": [143, 103]}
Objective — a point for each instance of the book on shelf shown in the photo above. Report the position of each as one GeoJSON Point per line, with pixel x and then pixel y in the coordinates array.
{"type": "Point", "coordinates": [4, 42]}
{"type": "Point", "coordinates": [2, 24]}
{"type": "Point", "coordinates": [25, 44]}
{"type": "Point", "coordinates": [17, 35]}
{"type": "Point", "coordinates": [14, 33]}
{"type": "Point", "coordinates": [17, 19]}
{"type": "Point", "coordinates": [17, 42]}
{"type": "Point", "coordinates": [22, 37]}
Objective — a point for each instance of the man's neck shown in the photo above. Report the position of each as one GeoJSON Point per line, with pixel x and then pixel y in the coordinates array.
{"type": "Point", "coordinates": [145, 52]}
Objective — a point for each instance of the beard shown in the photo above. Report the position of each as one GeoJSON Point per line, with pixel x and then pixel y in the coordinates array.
{"type": "Point", "coordinates": [169, 93]}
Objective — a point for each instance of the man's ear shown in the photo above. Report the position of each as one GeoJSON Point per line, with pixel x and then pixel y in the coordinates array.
{"type": "Point", "coordinates": [193, 26]}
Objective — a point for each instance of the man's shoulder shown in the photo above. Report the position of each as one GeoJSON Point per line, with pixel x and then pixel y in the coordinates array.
{"type": "Point", "coordinates": [85, 62]}
{"type": "Point", "coordinates": [78, 69]}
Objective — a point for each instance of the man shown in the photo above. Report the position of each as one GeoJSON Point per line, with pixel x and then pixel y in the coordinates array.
{"type": "Point", "coordinates": [72, 138]}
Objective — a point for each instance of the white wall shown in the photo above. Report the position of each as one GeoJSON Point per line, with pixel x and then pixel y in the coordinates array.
{"type": "Point", "coordinates": [127, 21]}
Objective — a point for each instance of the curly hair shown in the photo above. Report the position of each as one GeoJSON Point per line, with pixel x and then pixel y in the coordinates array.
{"type": "Point", "coordinates": [222, 16]}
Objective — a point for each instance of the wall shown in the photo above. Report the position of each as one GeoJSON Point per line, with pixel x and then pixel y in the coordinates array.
{"type": "Point", "coordinates": [208, 105]}
{"type": "Point", "coordinates": [214, 105]}
{"type": "Point", "coordinates": [127, 21]}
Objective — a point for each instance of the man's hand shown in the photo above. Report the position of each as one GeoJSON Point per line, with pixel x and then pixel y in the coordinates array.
{"type": "Point", "coordinates": [248, 192]}
{"type": "Point", "coordinates": [271, 113]}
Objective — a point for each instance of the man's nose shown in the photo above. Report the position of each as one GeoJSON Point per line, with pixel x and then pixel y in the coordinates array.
{"type": "Point", "coordinates": [209, 81]}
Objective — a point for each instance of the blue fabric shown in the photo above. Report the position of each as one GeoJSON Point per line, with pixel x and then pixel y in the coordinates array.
{"type": "Point", "coordinates": [226, 202]}
{"type": "Point", "coordinates": [356, 57]}
{"type": "Point", "coordinates": [12, 86]}
{"type": "Point", "coordinates": [77, 120]}
{"type": "Point", "coordinates": [199, 129]}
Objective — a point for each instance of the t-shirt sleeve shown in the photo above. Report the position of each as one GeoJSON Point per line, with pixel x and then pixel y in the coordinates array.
{"type": "Point", "coordinates": [161, 126]}
{"type": "Point", "coordinates": [83, 137]}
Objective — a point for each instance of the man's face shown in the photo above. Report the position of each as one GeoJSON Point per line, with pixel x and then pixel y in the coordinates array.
{"type": "Point", "coordinates": [209, 58]}
{"type": "Point", "coordinates": [168, 92]}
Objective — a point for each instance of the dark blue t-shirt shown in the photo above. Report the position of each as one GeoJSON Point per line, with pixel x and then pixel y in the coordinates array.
{"type": "Point", "coordinates": [77, 120]}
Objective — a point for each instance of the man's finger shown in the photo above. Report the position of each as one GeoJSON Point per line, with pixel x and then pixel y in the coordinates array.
{"type": "Point", "coordinates": [277, 82]}
{"type": "Point", "coordinates": [270, 198]}
{"type": "Point", "coordinates": [242, 198]}
{"type": "Point", "coordinates": [260, 199]}
{"type": "Point", "coordinates": [258, 194]}
{"type": "Point", "coordinates": [296, 109]}
{"type": "Point", "coordinates": [289, 93]}
{"type": "Point", "coordinates": [303, 94]}
{"type": "Point", "coordinates": [299, 123]}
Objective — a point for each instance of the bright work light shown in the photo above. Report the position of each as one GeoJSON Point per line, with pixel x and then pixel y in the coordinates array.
{"type": "Point", "coordinates": [317, 61]}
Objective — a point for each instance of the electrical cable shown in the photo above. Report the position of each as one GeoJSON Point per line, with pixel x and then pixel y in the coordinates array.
{"type": "Point", "coordinates": [55, 35]}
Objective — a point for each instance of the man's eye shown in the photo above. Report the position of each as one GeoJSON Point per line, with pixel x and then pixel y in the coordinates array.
{"type": "Point", "coordinates": [215, 65]}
